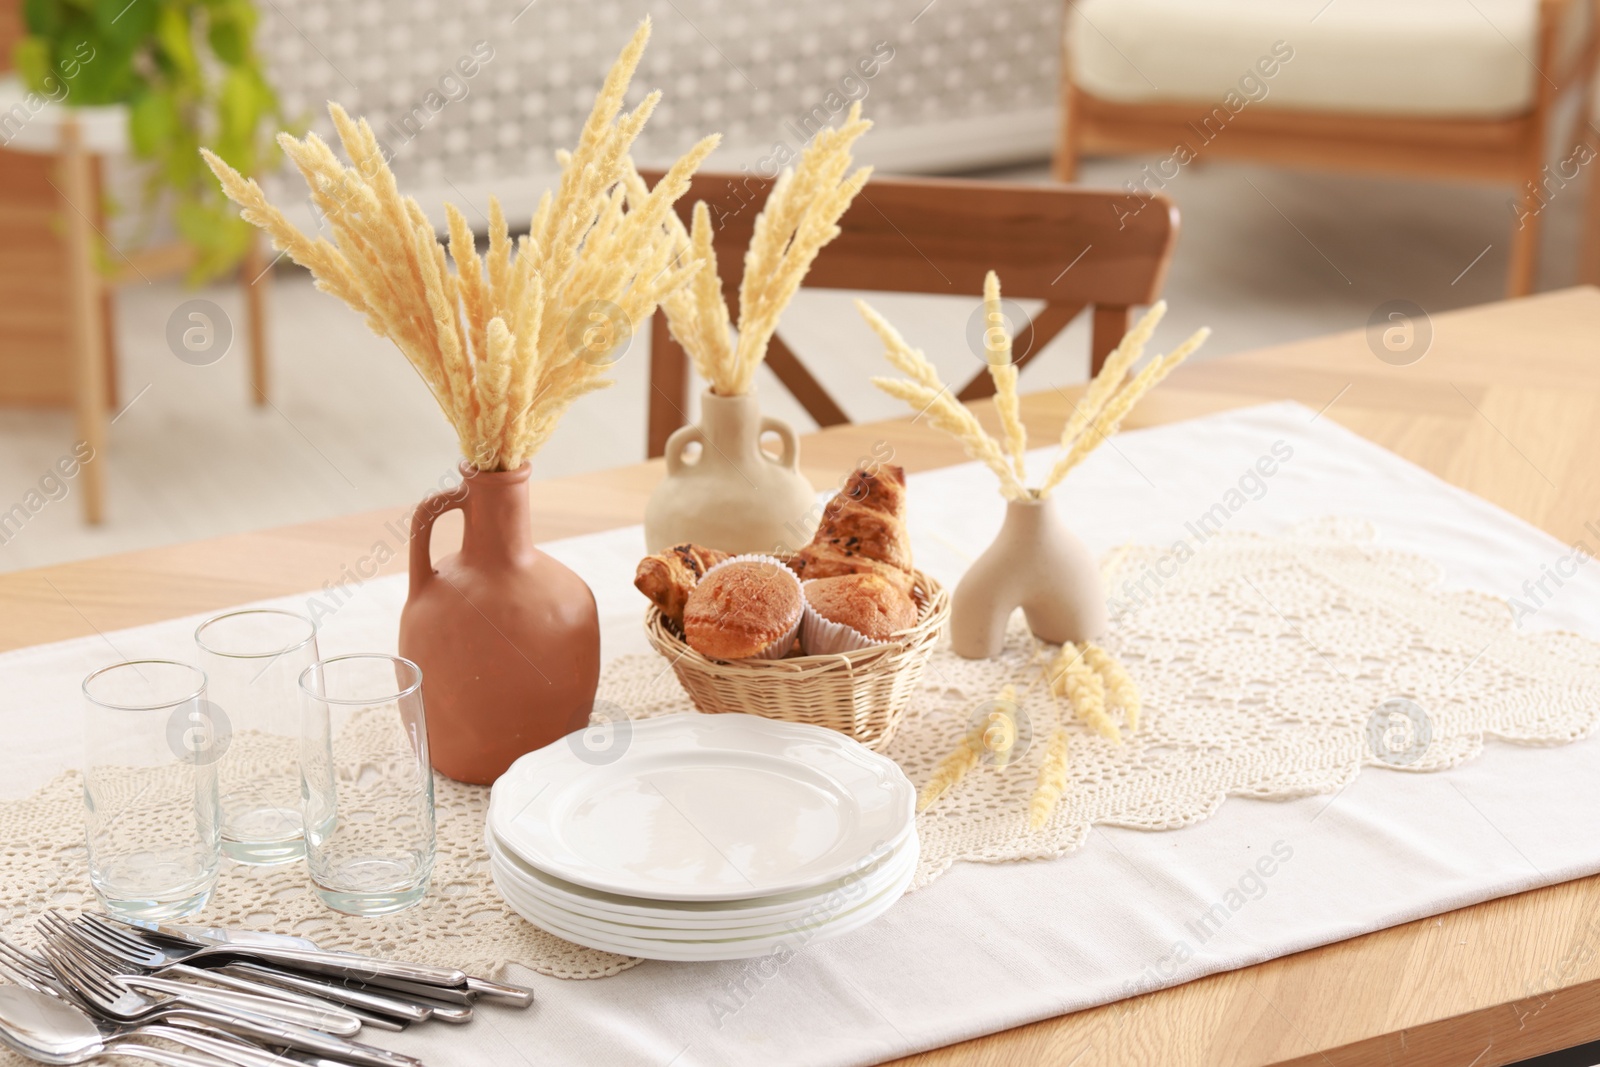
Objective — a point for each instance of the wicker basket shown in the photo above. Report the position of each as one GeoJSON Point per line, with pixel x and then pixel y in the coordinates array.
{"type": "Point", "coordinates": [862, 694]}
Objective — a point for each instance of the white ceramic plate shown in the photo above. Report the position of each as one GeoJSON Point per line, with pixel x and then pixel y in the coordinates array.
{"type": "Point", "coordinates": [705, 951]}
{"type": "Point", "coordinates": [704, 807]}
{"type": "Point", "coordinates": [833, 900]}
{"type": "Point", "coordinates": [690, 914]}
{"type": "Point", "coordinates": [824, 911]}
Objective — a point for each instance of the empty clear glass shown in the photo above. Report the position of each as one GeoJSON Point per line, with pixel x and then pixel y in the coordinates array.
{"type": "Point", "coordinates": [150, 788]}
{"type": "Point", "coordinates": [253, 660]}
{"type": "Point", "coordinates": [366, 783]}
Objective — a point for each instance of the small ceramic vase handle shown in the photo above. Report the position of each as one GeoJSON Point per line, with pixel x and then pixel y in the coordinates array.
{"type": "Point", "coordinates": [681, 439]}
{"type": "Point", "coordinates": [790, 456]}
{"type": "Point", "coordinates": [422, 519]}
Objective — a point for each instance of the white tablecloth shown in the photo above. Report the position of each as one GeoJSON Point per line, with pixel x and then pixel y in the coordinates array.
{"type": "Point", "coordinates": [990, 947]}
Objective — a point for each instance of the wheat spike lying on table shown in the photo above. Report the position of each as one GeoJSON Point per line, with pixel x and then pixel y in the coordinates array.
{"type": "Point", "coordinates": [1099, 414]}
{"type": "Point", "coordinates": [998, 731]}
{"type": "Point", "coordinates": [951, 770]}
{"type": "Point", "coordinates": [1071, 676]}
{"type": "Point", "coordinates": [995, 735]}
{"type": "Point", "coordinates": [800, 217]}
{"type": "Point", "coordinates": [507, 341]}
{"type": "Point", "coordinates": [1119, 684]}
{"type": "Point", "coordinates": [1052, 781]}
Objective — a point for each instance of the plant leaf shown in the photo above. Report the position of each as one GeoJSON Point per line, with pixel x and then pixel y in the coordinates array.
{"type": "Point", "coordinates": [151, 122]}
{"type": "Point", "coordinates": [126, 22]}
{"type": "Point", "coordinates": [42, 17]}
{"type": "Point", "coordinates": [31, 57]}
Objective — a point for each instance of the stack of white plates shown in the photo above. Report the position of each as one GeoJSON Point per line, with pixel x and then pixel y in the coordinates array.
{"type": "Point", "coordinates": [703, 837]}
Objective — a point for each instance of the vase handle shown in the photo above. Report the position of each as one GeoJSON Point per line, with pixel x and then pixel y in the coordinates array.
{"type": "Point", "coordinates": [790, 456]}
{"type": "Point", "coordinates": [681, 438]}
{"type": "Point", "coordinates": [432, 506]}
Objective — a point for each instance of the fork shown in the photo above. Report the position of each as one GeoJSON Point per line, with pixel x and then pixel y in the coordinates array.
{"type": "Point", "coordinates": [514, 996]}
{"type": "Point", "coordinates": [378, 1006]}
{"type": "Point", "coordinates": [15, 964]}
{"type": "Point", "coordinates": [109, 997]}
{"type": "Point", "coordinates": [366, 969]}
{"type": "Point", "coordinates": [95, 967]}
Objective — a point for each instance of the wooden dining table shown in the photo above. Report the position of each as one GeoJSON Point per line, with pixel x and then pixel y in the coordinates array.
{"type": "Point", "coordinates": [1504, 402]}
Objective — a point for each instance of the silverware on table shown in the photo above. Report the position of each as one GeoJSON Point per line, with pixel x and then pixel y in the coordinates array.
{"type": "Point", "coordinates": [47, 1029]}
{"type": "Point", "coordinates": [69, 1034]}
{"type": "Point", "coordinates": [514, 995]}
{"type": "Point", "coordinates": [130, 996]}
{"type": "Point", "coordinates": [219, 976]}
{"type": "Point", "coordinates": [84, 925]}
{"type": "Point", "coordinates": [260, 1029]}
{"type": "Point", "coordinates": [365, 998]}
{"type": "Point", "coordinates": [240, 997]}
{"type": "Point", "coordinates": [366, 969]}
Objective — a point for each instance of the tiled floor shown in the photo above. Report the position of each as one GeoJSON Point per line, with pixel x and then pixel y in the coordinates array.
{"type": "Point", "coordinates": [1265, 256]}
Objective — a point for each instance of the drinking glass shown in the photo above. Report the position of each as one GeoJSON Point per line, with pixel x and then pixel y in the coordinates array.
{"type": "Point", "coordinates": [366, 783]}
{"type": "Point", "coordinates": [150, 788]}
{"type": "Point", "coordinates": [253, 660]}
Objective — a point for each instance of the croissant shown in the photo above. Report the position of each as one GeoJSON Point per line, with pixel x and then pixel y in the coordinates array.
{"type": "Point", "coordinates": [863, 531]}
{"type": "Point", "coordinates": [668, 577]}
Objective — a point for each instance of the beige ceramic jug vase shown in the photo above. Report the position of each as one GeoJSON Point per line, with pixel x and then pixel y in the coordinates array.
{"type": "Point", "coordinates": [734, 496]}
{"type": "Point", "coordinates": [1035, 564]}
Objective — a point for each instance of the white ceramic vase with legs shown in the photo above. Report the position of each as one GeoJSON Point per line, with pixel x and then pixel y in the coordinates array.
{"type": "Point", "coordinates": [1039, 565]}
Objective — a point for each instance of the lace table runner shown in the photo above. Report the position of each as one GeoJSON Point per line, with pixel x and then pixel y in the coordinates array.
{"type": "Point", "coordinates": [1271, 667]}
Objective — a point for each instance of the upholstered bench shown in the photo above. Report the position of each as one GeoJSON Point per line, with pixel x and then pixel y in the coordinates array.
{"type": "Point", "coordinates": [1461, 89]}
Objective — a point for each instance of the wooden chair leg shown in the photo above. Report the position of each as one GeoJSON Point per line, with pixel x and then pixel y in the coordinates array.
{"type": "Point", "coordinates": [1064, 167]}
{"type": "Point", "coordinates": [669, 386]}
{"type": "Point", "coordinates": [108, 343]}
{"type": "Point", "coordinates": [1523, 274]}
{"type": "Point", "coordinates": [108, 306]}
{"type": "Point", "coordinates": [255, 276]}
{"type": "Point", "coordinates": [1525, 242]}
{"type": "Point", "coordinates": [1589, 249]}
{"type": "Point", "coordinates": [84, 288]}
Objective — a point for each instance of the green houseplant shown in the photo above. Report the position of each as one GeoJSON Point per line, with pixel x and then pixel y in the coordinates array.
{"type": "Point", "coordinates": [190, 76]}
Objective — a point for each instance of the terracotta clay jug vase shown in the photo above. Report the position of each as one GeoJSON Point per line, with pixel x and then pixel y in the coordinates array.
{"type": "Point", "coordinates": [1035, 564]}
{"type": "Point", "coordinates": [508, 639]}
{"type": "Point", "coordinates": [734, 496]}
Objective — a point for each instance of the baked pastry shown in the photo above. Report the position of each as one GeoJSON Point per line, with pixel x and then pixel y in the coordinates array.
{"type": "Point", "coordinates": [854, 611]}
{"type": "Point", "coordinates": [863, 531]}
{"type": "Point", "coordinates": [747, 607]}
{"type": "Point", "coordinates": [667, 577]}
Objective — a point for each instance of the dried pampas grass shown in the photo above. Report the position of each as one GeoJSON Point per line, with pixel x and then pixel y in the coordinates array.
{"type": "Point", "coordinates": [1107, 402]}
{"type": "Point", "coordinates": [800, 217]}
{"type": "Point", "coordinates": [508, 340]}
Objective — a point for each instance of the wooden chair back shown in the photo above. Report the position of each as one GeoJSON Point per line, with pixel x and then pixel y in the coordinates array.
{"type": "Point", "coordinates": [1075, 249]}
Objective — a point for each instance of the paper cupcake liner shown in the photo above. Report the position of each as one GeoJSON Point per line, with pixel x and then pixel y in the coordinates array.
{"type": "Point", "coordinates": [824, 637]}
{"type": "Point", "coordinates": [779, 648]}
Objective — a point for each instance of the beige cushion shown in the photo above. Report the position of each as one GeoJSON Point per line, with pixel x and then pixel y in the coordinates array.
{"type": "Point", "coordinates": [1459, 58]}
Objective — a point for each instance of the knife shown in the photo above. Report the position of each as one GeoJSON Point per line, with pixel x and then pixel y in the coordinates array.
{"type": "Point", "coordinates": [515, 995]}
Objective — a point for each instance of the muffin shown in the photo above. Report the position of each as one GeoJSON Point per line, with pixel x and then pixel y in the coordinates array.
{"type": "Point", "coordinates": [668, 577]}
{"type": "Point", "coordinates": [748, 607]}
{"type": "Point", "coordinates": [854, 611]}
